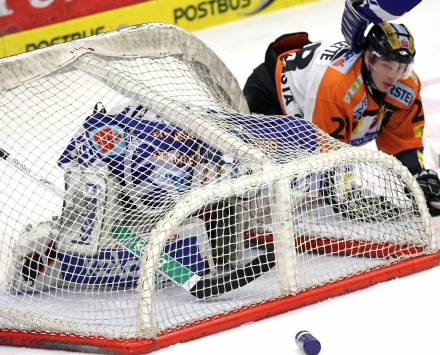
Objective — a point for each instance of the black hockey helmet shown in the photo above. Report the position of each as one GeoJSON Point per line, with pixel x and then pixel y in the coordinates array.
{"type": "Point", "coordinates": [391, 42]}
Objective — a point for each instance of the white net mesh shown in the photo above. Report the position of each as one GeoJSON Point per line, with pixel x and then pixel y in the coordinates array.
{"type": "Point", "coordinates": [136, 198]}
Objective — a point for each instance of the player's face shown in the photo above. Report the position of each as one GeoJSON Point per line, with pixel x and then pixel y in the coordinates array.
{"type": "Point", "coordinates": [386, 73]}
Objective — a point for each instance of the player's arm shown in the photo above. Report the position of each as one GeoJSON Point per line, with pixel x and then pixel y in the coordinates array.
{"type": "Point", "coordinates": [427, 178]}
{"type": "Point", "coordinates": [339, 187]}
{"type": "Point", "coordinates": [401, 135]}
{"type": "Point", "coordinates": [358, 14]}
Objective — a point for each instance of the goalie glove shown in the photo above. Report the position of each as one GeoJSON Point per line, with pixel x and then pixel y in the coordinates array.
{"type": "Point", "coordinates": [353, 25]}
{"type": "Point", "coordinates": [430, 184]}
{"type": "Point", "coordinates": [358, 14]}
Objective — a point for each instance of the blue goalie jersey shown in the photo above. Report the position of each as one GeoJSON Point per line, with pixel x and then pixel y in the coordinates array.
{"type": "Point", "coordinates": [150, 157]}
{"type": "Point", "coordinates": [155, 160]}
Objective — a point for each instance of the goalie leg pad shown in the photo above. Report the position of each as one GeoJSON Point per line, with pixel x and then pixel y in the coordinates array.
{"type": "Point", "coordinates": [90, 209]}
{"type": "Point", "coordinates": [185, 257]}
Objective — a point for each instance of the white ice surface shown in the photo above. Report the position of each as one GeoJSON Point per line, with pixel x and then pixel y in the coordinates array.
{"type": "Point", "coordinates": [399, 317]}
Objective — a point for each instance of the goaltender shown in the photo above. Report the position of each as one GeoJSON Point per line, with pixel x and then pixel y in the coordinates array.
{"type": "Point", "coordinates": [354, 97]}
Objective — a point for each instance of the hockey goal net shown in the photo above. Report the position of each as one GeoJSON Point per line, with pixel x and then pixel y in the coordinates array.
{"type": "Point", "coordinates": [141, 200]}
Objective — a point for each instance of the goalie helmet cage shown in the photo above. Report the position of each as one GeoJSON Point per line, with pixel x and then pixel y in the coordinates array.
{"type": "Point", "coordinates": [212, 217]}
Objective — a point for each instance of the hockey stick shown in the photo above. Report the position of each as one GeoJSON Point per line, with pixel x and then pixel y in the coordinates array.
{"type": "Point", "coordinates": [196, 285]}
{"type": "Point", "coordinates": [209, 287]}
{"type": "Point", "coordinates": [24, 169]}
{"type": "Point", "coordinates": [222, 232]}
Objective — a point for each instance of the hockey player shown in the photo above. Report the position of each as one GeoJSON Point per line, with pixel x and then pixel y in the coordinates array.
{"type": "Point", "coordinates": [124, 169]}
{"type": "Point", "coordinates": [354, 97]}
{"type": "Point", "coordinates": [358, 14]}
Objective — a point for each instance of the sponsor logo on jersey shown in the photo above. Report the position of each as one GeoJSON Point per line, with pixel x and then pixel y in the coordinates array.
{"type": "Point", "coordinates": [176, 135]}
{"type": "Point", "coordinates": [108, 140]}
{"type": "Point", "coordinates": [180, 179]}
{"type": "Point", "coordinates": [418, 131]}
{"type": "Point", "coordinates": [85, 152]}
{"type": "Point", "coordinates": [345, 62]}
{"type": "Point", "coordinates": [78, 150]}
{"type": "Point", "coordinates": [88, 224]}
{"type": "Point", "coordinates": [174, 158]}
{"type": "Point", "coordinates": [402, 93]}
{"type": "Point", "coordinates": [353, 89]}
{"type": "Point", "coordinates": [89, 215]}
{"type": "Point", "coordinates": [366, 128]}
{"type": "Point", "coordinates": [329, 53]}
{"type": "Point", "coordinates": [360, 107]}
{"type": "Point", "coordinates": [365, 139]}
{"type": "Point", "coordinates": [286, 90]}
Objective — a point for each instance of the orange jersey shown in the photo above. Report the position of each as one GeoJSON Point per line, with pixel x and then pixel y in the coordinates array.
{"type": "Point", "coordinates": [324, 84]}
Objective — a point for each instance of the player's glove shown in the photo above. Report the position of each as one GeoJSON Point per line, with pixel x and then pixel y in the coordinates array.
{"type": "Point", "coordinates": [35, 266]}
{"type": "Point", "coordinates": [353, 25]}
{"type": "Point", "coordinates": [356, 203]}
{"type": "Point", "coordinates": [430, 184]}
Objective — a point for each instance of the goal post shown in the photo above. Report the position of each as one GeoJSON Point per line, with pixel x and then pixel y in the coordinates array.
{"type": "Point", "coordinates": [144, 205]}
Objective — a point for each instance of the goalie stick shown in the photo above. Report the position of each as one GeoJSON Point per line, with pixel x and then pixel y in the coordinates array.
{"type": "Point", "coordinates": [209, 287]}
{"type": "Point", "coordinates": [199, 286]}
{"type": "Point", "coordinates": [6, 156]}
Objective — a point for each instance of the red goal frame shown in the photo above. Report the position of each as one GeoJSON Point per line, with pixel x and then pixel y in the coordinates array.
{"type": "Point", "coordinates": [219, 323]}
